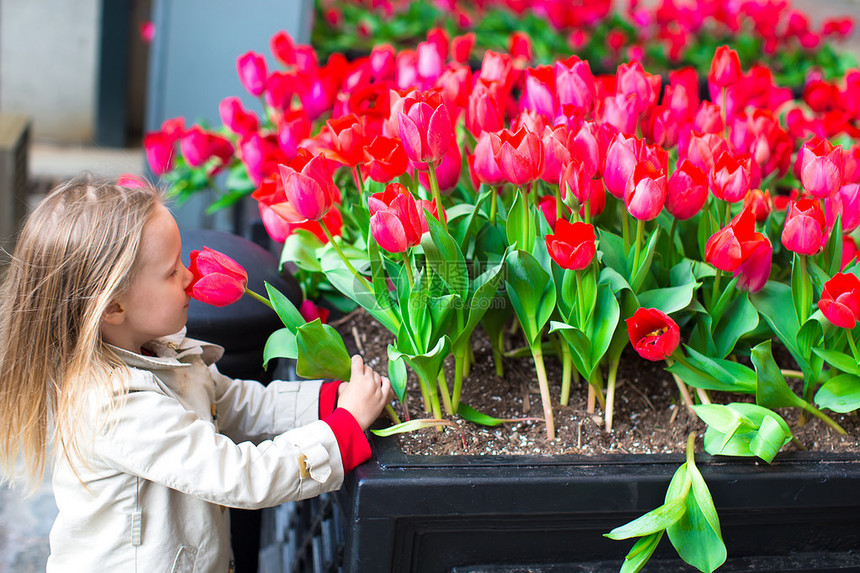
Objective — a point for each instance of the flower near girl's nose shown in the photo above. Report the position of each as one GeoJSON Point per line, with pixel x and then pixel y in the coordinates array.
{"type": "Point", "coordinates": [216, 278]}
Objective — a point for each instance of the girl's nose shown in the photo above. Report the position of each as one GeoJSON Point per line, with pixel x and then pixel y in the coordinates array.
{"type": "Point", "coordinates": [189, 276]}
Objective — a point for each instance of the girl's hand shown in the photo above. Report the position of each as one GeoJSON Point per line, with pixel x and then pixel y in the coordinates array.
{"type": "Point", "coordinates": [365, 395]}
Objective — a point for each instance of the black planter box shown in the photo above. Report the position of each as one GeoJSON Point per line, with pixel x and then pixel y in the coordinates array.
{"type": "Point", "coordinates": [513, 514]}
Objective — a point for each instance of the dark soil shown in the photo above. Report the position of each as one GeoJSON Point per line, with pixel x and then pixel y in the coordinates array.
{"type": "Point", "coordinates": [647, 419]}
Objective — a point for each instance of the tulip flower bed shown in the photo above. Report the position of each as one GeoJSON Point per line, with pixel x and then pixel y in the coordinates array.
{"type": "Point", "coordinates": [662, 35]}
{"type": "Point", "coordinates": [575, 221]}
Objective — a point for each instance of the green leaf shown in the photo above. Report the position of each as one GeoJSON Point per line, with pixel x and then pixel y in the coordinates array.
{"type": "Point", "coordinates": [614, 254]}
{"type": "Point", "coordinates": [487, 285]}
{"type": "Point", "coordinates": [741, 429]}
{"type": "Point", "coordinates": [280, 344]}
{"type": "Point", "coordinates": [771, 388]}
{"type": "Point", "coordinates": [287, 311]}
{"type": "Point", "coordinates": [426, 365]}
{"type": "Point", "coordinates": [838, 360]}
{"type": "Point", "coordinates": [840, 393]}
{"type": "Point", "coordinates": [300, 247]}
{"type": "Point", "coordinates": [720, 417]}
{"type": "Point", "coordinates": [773, 303]}
{"type": "Point", "coordinates": [322, 353]}
{"type": "Point", "coordinates": [701, 371]}
{"type": "Point", "coordinates": [740, 319]}
{"type": "Point", "coordinates": [696, 535]}
{"type": "Point", "coordinates": [397, 375]}
{"type": "Point", "coordinates": [444, 257]}
{"type": "Point", "coordinates": [641, 552]}
{"type": "Point", "coordinates": [411, 426]}
{"type": "Point", "coordinates": [531, 292]}
{"type": "Point", "coordinates": [520, 227]}
{"type": "Point", "coordinates": [670, 299]}
{"type": "Point", "coordinates": [640, 274]}
{"type": "Point", "coordinates": [768, 440]}
{"type": "Point", "coordinates": [652, 522]}
{"type": "Point", "coordinates": [343, 280]}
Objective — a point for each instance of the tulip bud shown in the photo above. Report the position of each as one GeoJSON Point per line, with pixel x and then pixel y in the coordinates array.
{"type": "Point", "coordinates": [217, 279]}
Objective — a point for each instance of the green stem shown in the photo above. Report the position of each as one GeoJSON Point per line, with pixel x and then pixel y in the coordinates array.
{"type": "Point", "coordinates": [824, 417]}
{"type": "Point", "coordinates": [359, 181]}
{"type": "Point", "coordinates": [671, 255]}
{"type": "Point", "coordinates": [443, 386]}
{"type": "Point", "coordinates": [496, 343]}
{"type": "Point", "coordinates": [805, 294]}
{"type": "Point", "coordinates": [596, 382]}
{"type": "Point", "coordinates": [850, 335]}
{"type": "Point", "coordinates": [343, 256]}
{"type": "Point", "coordinates": [433, 395]}
{"type": "Point", "coordinates": [637, 253]}
{"type": "Point", "coordinates": [258, 297]}
{"type": "Point", "coordinates": [610, 393]}
{"type": "Point", "coordinates": [580, 301]}
{"type": "Point", "coordinates": [566, 372]}
{"type": "Point", "coordinates": [559, 210]}
{"type": "Point", "coordinates": [494, 199]}
{"type": "Point", "coordinates": [434, 188]}
{"type": "Point", "coordinates": [408, 266]}
{"type": "Point", "coordinates": [716, 290]}
{"type": "Point", "coordinates": [395, 419]}
{"type": "Point", "coordinates": [625, 227]}
{"type": "Point", "coordinates": [543, 383]}
{"type": "Point", "coordinates": [459, 366]}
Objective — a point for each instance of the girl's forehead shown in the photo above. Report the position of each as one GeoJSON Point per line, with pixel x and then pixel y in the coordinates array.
{"type": "Point", "coordinates": [160, 238]}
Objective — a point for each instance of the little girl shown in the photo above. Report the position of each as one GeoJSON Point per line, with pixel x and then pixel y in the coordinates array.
{"type": "Point", "coordinates": [150, 442]}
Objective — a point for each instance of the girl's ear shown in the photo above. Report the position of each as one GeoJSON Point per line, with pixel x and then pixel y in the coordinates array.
{"type": "Point", "coordinates": [113, 314]}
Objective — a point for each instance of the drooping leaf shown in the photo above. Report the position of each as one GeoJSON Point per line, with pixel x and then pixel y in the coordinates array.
{"type": "Point", "coordinates": [411, 426]}
{"type": "Point", "coordinates": [280, 344]}
{"type": "Point", "coordinates": [397, 375]}
{"type": "Point", "coordinates": [840, 394]}
{"type": "Point", "coordinates": [655, 520]}
{"type": "Point", "coordinates": [322, 353]}
{"type": "Point", "coordinates": [286, 310]}
{"type": "Point", "coordinates": [771, 389]}
{"type": "Point", "coordinates": [641, 552]}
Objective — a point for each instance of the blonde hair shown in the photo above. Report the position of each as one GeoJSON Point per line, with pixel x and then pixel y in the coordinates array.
{"type": "Point", "coordinates": [75, 254]}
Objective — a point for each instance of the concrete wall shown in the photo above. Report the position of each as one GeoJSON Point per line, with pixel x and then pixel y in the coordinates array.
{"type": "Point", "coordinates": [48, 65]}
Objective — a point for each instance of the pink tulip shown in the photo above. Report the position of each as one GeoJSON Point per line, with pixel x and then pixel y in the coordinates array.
{"type": "Point", "coordinates": [704, 149]}
{"type": "Point", "coordinates": [622, 112]}
{"type": "Point", "coordinates": [840, 300]}
{"type": "Point", "coordinates": [540, 91]}
{"type": "Point", "coordinates": [760, 203]}
{"type": "Point", "coordinates": [634, 80]}
{"type": "Point", "coordinates": [283, 48]}
{"type": "Point", "coordinates": [805, 229]}
{"type": "Point", "coordinates": [293, 128]}
{"type": "Point", "coordinates": [236, 119]}
{"type": "Point", "coordinates": [310, 311]}
{"type": "Point", "coordinates": [425, 128]}
{"type": "Point", "coordinates": [621, 158]}
{"type": "Point", "coordinates": [394, 220]}
{"type": "Point", "coordinates": [485, 166]}
{"type": "Point", "coordinates": [557, 154]}
{"type": "Point", "coordinates": [486, 109]}
{"type": "Point", "coordinates": [160, 151]}
{"type": "Point", "coordinates": [687, 191]}
{"type": "Point", "coordinates": [845, 202]}
{"type": "Point", "coordinates": [217, 279]}
{"type": "Point", "coordinates": [645, 194]}
{"type": "Point", "coordinates": [310, 192]}
{"type": "Point", "coordinates": [280, 87]}
{"type": "Point", "coordinates": [585, 147]}
{"type": "Point", "coordinates": [448, 171]}
{"type": "Point", "coordinates": [252, 72]}
{"type": "Point", "coordinates": [821, 167]}
{"type": "Point", "coordinates": [730, 179]}
{"type": "Point", "coordinates": [575, 84]}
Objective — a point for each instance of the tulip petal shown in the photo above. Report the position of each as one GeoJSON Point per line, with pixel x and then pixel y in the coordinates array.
{"type": "Point", "coordinates": [388, 231]}
{"type": "Point", "coordinates": [217, 290]}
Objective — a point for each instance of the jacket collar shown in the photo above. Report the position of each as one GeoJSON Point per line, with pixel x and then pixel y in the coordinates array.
{"type": "Point", "coordinates": [169, 352]}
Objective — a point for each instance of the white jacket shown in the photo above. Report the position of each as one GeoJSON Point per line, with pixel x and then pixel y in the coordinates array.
{"type": "Point", "coordinates": [184, 443]}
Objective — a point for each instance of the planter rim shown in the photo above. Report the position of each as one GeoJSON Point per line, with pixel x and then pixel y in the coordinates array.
{"type": "Point", "coordinates": [388, 456]}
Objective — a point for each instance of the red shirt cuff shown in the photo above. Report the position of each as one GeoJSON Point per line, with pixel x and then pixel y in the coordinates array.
{"type": "Point", "coordinates": [353, 444]}
{"type": "Point", "coordinates": [328, 398]}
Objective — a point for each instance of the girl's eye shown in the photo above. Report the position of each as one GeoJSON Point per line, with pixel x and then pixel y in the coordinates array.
{"type": "Point", "coordinates": [174, 273]}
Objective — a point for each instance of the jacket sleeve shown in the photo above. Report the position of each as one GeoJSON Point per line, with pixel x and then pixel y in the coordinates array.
{"type": "Point", "coordinates": [247, 410]}
{"type": "Point", "coordinates": [153, 436]}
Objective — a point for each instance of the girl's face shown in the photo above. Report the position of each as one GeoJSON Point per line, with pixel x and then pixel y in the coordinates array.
{"type": "Point", "coordinates": [156, 304]}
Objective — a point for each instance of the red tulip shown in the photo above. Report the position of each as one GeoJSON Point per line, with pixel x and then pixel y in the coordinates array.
{"type": "Point", "coordinates": [653, 333]}
{"type": "Point", "coordinates": [217, 279]}
{"type": "Point", "coordinates": [425, 128]}
{"type": "Point", "coordinates": [849, 251]}
{"type": "Point", "coordinates": [585, 147]}
{"type": "Point", "coordinates": [310, 192]}
{"type": "Point", "coordinates": [730, 179]}
{"type": "Point", "coordinates": [486, 107]}
{"type": "Point", "coordinates": [198, 146]}
{"type": "Point", "coordinates": [283, 48]}
{"type": "Point", "coordinates": [520, 155]}
{"type": "Point", "coordinates": [520, 47]}
{"type": "Point", "coordinates": [821, 167]}
{"type": "Point", "coordinates": [687, 191]}
{"type": "Point", "coordinates": [725, 67]}
{"type": "Point", "coordinates": [840, 300]}
{"type": "Point", "coordinates": [252, 72]}
{"type": "Point", "coordinates": [385, 159]}
{"type": "Point", "coordinates": [760, 203]}
{"type": "Point", "coordinates": [261, 156]}
{"type": "Point", "coordinates": [280, 87]}
{"type": "Point", "coordinates": [549, 207]}
{"type": "Point", "coordinates": [708, 118]}
{"type": "Point", "coordinates": [737, 248]}
{"type": "Point", "coordinates": [310, 311]}
{"type": "Point", "coordinates": [348, 139]}
{"type": "Point", "coordinates": [461, 47]}
{"type": "Point", "coordinates": [160, 151]}
{"type": "Point", "coordinates": [572, 245]}
{"type": "Point", "coordinates": [703, 150]}
{"type": "Point", "coordinates": [645, 193]}
{"type": "Point", "coordinates": [805, 229]}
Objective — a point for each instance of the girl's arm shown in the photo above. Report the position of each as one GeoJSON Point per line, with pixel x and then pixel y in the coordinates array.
{"type": "Point", "coordinates": [153, 436]}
